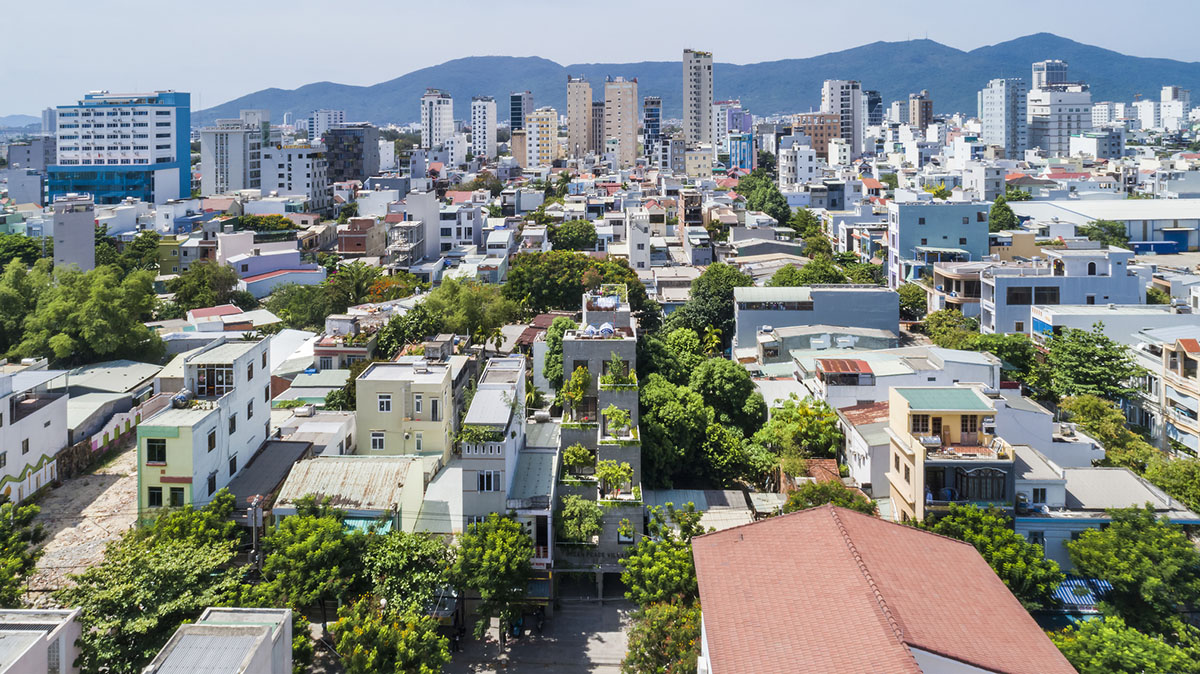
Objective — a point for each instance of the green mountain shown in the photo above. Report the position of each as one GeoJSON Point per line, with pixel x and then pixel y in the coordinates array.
{"type": "Point", "coordinates": [895, 69]}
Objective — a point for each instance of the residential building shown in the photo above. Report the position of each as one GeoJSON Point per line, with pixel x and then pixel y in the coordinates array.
{"type": "Point", "coordinates": [492, 438]}
{"type": "Point", "coordinates": [36, 154]}
{"type": "Point", "coordinates": [1049, 73]}
{"type": "Point", "coordinates": [351, 152]}
{"type": "Point", "coordinates": [839, 152]}
{"type": "Point", "coordinates": [621, 118]}
{"type": "Point", "coordinates": [844, 98]}
{"type": "Point", "coordinates": [898, 112]}
{"type": "Point", "coordinates": [844, 377]}
{"type": "Point", "coordinates": [920, 109]}
{"type": "Point", "coordinates": [541, 137]}
{"type": "Point", "coordinates": [596, 136]}
{"type": "Point", "coordinates": [483, 127]}
{"type": "Point", "coordinates": [796, 165]}
{"type": "Point", "coordinates": [922, 233]}
{"type": "Point", "coordinates": [955, 285]}
{"type": "Point", "coordinates": [74, 231]}
{"type": "Point", "coordinates": [874, 104]}
{"type": "Point", "coordinates": [323, 120]}
{"type": "Point", "coordinates": [115, 146]}
{"type": "Point", "coordinates": [1147, 113]}
{"type": "Point", "coordinates": [231, 153]}
{"type": "Point", "coordinates": [1002, 107]}
{"type": "Point", "coordinates": [945, 450]}
{"type": "Point", "coordinates": [437, 118]}
{"type": "Point", "coordinates": [1107, 143]}
{"type": "Point", "coordinates": [698, 162]}
{"type": "Point", "coordinates": [365, 489]}
{"type": "Point", "coordinates": [406, 407]}
{"type": "Point", "coordinates": [820, 127]}
{"type": "Point", "coordinates": [1072, 275]}
{"type": "Point", "coordinates": [298, 169]}
{"type": "Point", "coordinates": [579, 116]}
{"type": "Point", "coordinates": [697, 97]}
{"type": "Point", "coordinates": [721, 129]}
{"type": "Point", "coordinates": [741, 151]}
{"type": "Point", "coordinates": [1174, 107]}
{"type": "Point", "coordinates": [1054, 115]}
{"type": "Point", "coordinates": [849, 306]}
{"type": "Point", "coordinates": [241, 640]}
{"type": "Point", "coordinates": [1180, 395]}
{"type": "Point", "coordinates": [195, 447]}
{"type": "Point", "coordinates": [40, 641]}
{"type": "Point", "coordinates": [651, 124]}
{"type": "Point", "coordinates": [520, 104]}
{"type": "Point", "coordinates": [33, 429]}
{"type": "Point", "coordinates": [833, 590]}
{"type": "Point", "coordinates": [362, 236]}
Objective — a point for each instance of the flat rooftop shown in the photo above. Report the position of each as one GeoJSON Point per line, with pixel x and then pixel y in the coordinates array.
{"type": "Point", "coordinates": [223, 354]}
{"type": "Point", "coordinates": [944, 399]}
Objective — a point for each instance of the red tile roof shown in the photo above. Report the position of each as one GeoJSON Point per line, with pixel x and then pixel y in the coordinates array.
{"type": "Point", "coordinates": [843, 365]}
{"type": "Point", "coordinates": [822, 470]}
{"type": "Point", "coordinates": [873, 184]}
{"type": "Point", "coordinates": [458, 196]}
{"type": "Point", "coordinates": [832, 590]}
{"type": "Point", "coordinates": [865, 413]}
{"type": "Point", "coordinates": [1190, 345]}
{"type": "Point", "coordinates": [280, 272]}
{"type": "Point", "coordinates": [219, 310]}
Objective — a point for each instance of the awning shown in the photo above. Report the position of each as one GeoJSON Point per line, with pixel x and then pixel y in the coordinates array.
{"type": "Point", "coordinates": [935, 249]}
{"type": "Point", "coordinates": [367, 525]}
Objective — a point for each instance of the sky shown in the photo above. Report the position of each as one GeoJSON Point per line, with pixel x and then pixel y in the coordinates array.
{"type": "Point", "coordinates": [221, 49]}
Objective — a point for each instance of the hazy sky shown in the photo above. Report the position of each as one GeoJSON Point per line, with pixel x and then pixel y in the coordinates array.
{"type": "Point", "coordinates": [221, 49]}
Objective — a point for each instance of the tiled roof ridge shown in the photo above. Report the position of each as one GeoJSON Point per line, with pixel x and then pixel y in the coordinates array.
{"type": "Point", "coordinates": [866, 573]}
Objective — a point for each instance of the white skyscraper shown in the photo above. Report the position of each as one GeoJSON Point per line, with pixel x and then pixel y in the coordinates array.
{"type": "Point", "coordinates": [1002, 107]}
{"type": "Point", "coordinates": [845, 99]}
{"type": "Point", "coordinates": [1174, 107]}
{"type": "Point", "coordinates": [697, 97]}
{"type": "Point", "coordinates": [321, 120]}
{"type": "Point", "coordinates": [437, 118]}
{"type": "Point", "coordinates": [1049, 73]}
{"type": "Point", "coordinates": [483, 126]}
{"type": "Point", "coordinates": [231, 153]}
{"type": "Point", "coordinates": [1054, 115]}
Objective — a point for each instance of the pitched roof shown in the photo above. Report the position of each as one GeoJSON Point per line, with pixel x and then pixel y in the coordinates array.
{"type": "Point", "coordinates": [1190, 345]}
{"type": "Point", "coordinates": [873, 184]}
{"type": "Point", "coordinates": [843, 365]}
{"type": "Point", "coordinates": [832, 590]}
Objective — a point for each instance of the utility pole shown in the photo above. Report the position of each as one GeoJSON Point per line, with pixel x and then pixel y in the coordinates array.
{"type": "Point", "coordinates": [254, 513]}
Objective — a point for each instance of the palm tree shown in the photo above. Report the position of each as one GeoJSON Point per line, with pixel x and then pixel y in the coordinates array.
{"type": "Point", "coordinates": [352, 283]}
{"type": "Point", "coordinates": [497, 338]}
{"type": "Point", "coordinates": [712, 340]}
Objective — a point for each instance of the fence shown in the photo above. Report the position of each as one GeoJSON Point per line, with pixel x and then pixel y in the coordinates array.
{"type": "Point", "coordinates": [75, 459]}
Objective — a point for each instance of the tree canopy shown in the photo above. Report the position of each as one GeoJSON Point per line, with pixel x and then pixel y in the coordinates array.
{"type": "Point", "coordinates": [673, 422]}
{"type": "Point", "coordinates": [1107, 232]}
{"type": "Point", "coordinates": [1108, 646]}
{"type": "Point", "coordinates": [663, 637]}
{"type": "Point", "coordinates": [659, 568]}
{"type": "Point", "coordinates": [494, 561]}
{"type": "Point", "coordinates": [798, 430]}
{"type": "Point", "coordinates": [408, 569]}
{"type": "Point", "coordinates": [207, 283]}
{"type": "Point", "coordinates": [371, 638]}
{"type": "Point", "coordinates": [711, 302]}
{"type": "Point", "coordinates": [18, 535]}
{"type": "Point", "coordinates": [574, 235]}
{"type": "Point", "coordinates": [761, 193]}
{"type": "Point", "coordinates": [1001, 216]}
{"type": "Point", "coordinates": [1103, 420]}
{"type": "Point", "coordinates": [1087, 362]}
{"type": "Point", "coordinates": [913, 299]}
{"type": "Point", "coordinates": [813, 494]}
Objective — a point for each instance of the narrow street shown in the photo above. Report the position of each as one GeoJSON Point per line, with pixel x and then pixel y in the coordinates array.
{"type": "Point", "coordinates": [79, 518]}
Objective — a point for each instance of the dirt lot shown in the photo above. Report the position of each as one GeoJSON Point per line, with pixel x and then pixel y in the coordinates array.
{"type": "Point", "coordinates": [79, 518]}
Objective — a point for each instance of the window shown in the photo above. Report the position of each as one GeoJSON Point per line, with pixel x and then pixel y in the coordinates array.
{"type": "Point", "coordinates": [376, 441]}
{"type": "Point", "coordinates": [1091, 269]}
{"type": "Point", "coordinates": [176, 497]}
{"type": "Point", "coordinates": [962, 240]}
{"type": "Point", "coordinates": [156, 450]}
{"type": "Point", "coordinates": [489, 480]}
{"type": "Point", "coordinates": [232, 423]}
{"type": "Point", "coordinates": [981, 484]}
{"type": "Point", "coordinates": [434, 411]}
{"type": "Point", "coordinates": [420, 440]}
{"type": "Point", "coordinates": [920, 423]}
{"type": "Point", "coordinates": [214, 381]}
{"type": "Point", "coordinates": [326, 363]}
{"type": "Point", "coordinates": [1037, 538]}
{"type": "Point", "coordinates": [385, 402]}
{"type": "Point", "coordinates": [250, 366]}
{"type": "Point", "coordinates": [417, 403]}
{"type": "Point", "coordinates": [212, 483]}
{"type": "Point", "coordinates": [267, 393]}
{"type": "Point", "coordinates": [25, 446]}
{"type": "Point", "coordinates": [907, 475]}
{"type": "Point", "coordinates": [250, 410]}
{"type": "Point", "coordinates": [232, 465]}
{"type": "Point", "coordinates": [924, 242]}
{"type": "Point", "coordinates": [920, 221]}
{"type": "Point", "coordinates": [3, 459]}
{"type": "Point", "coordinates": [1046, 295]}
{"type": "Point", "coordinates": [1019, 326]}
{"type": "Point", "coordinates": [154, 497]}
{"type": "Point", "coordinates": [896, 462]}
{"type": "Point", "coordinates": [970, 424]}
{"type": "Point", "coordinates": [966, 220]}
{"type": "Point", "coordinates": [54, 657]}
{"type": "Point", "coordinates": [212, 439]}
{"type": "Point", "coordinates": [1020, 295]}
{"type": "Point", "coordinates": [264, 360]}
{"type": "Point", "coordinates": [472, 520]}
{"type": "Point", "coordinates": [1039, 495]}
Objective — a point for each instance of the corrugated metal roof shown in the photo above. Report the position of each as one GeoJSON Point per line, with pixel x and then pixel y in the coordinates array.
{"type": "Point", "coordinates": [535, 475]}
{"type": "Point", "coordinates": [208, 653]}
{"type": "Point", "coordinates": [843, 365]}
{"type": "Point", "coordinates": [944, 399]}
{"type": "Point", "coordinates": [223, 354]}
{"type": "Point", "coordinates": [351, 482]}
{"type": "Point", "coordinates": [772, 294]}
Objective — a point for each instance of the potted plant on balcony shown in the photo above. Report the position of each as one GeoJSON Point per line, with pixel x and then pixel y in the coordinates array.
{"type": "Point", "coordinates": [619, 421]}
{"type": "Point", "coordinates": [578, 459]}
{"type": "Point", "coordinates": [612, 475]}
{"type": "Point", "coordinates": [574, 390]}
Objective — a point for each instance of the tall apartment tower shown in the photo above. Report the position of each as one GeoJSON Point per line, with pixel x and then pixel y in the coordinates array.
{"type": "Point", "coordinates": [596, 136]}
{"type": "Point", "coordinates": [520, 104]}
{"type": "Point", "coordinates": [697, 97]}
{"type": "Point", "coordinates": [351, 152]}
{"type": "Point", "coordinates": [651, 124]}
{"type": "Point", "coordinates": [721, 124]}
{"type": "Point", "coordinates": [874, 104]}
{"type": "Point", "coordinates": [1054, 115]}
{"type": "Point", "coordinates": [437, 118]}
{"type": "Point", "coordinates": [1174, 106]}
{"type": "Point", "coordinates": [844, 98]}
{"type": "Point", "coordinates": [621, 118]}
{"type": "Point", "coordinates": [920, 109]}
{"type": "Point", "coordinates": [1049, 73]}
{"type": "Point", "coordinates": [579, 117]}
{"type": "Point", "coordinates": [75, 231]}
{"type": "Point", "coordinates": [541, 136]}
{"type": "Point", "coordinates": [231, 153]}
{"type": "Point", "coordinates": [321, 121]}
{"type": "Point", "coordinates": [483, 126]}
{"type": "Point", "coordinates": [1002, 107]}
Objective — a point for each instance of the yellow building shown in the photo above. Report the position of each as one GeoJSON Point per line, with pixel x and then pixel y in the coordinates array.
{"type": "Point", "coordinates": [697, 163]}
{"type": "Point", "coordinates": [944, 450]}
{"type": "Point", "coordinates": [168, 254]}
{"type": "Point", "coordinates": [406, 407]}
{"type": "Point", "coordinates": [579, 116]}
{"type": "Point", "coordinates": [1010, 245]}
{"type": "Point", "coordinates": [517, 145]}
{"type": "Point", "coordinates": [541, 137]}
{"type": "Point", "coordinates": [621, 118]}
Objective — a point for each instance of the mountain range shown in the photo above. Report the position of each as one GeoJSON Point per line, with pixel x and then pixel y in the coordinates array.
{"type": "Point", "coordinates": [895, 69]}
{"type": "Point", "coordinates": [18, 121]}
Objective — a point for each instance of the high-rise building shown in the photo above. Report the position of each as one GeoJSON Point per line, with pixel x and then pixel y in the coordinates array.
{"type": "Point", "coordinates": [1049, 73]}
{"type": "Point", "coordinates": [1174, 107]}
{"type": "Point", "coordinates": [1104, 112]}
{"type": "Point", "coordinates": [845, 99]}
{"type": "Point", "coordinates": [920, 109]}
{"type": "Point", "coordinates": [621, 117]}
{"type": "Point", "coordinates": [820, 127]}
{"type": "Point", "coordinates": [741, 150]}
{"type": "Point", "coordinates": [321, 121]}
{"type": "Point", "coordinates": [231, 153]}
{"type": "Point", "coordinates": [651, 124]}
{"type": "Point", "coordinates": [596, 137]}
{"type": "Point", "coordinates": [541, 137]}
{"type": "Point", "coordinates": [898, 112]}
{"type": "Point", "coordinates": [351, 152]}
{"type": "Point", "coordinates": [483, 126]}
{"type": "Point", "coordinates": [697, 97]}
{"type": "Point", "coordinates": [75, 231]}
{"type": "Point", "coordinates": [1054, 115]}
{"type": "Point", "coordinates": [1002, 108]}
{"type": "Point", "coordinates": [49, 121]}
{"type": "Point", "coordinates": [579, 117]}
{"type": "Point", "coordinates": [874, 104]}
{"type": "Point", "coordinates": [517, 144]}
{"type": "Point", "coordinates": [437, 118]}
{"type": "Point", "coordinates": [721, 130]}
{"type": "Point", "coordinates": [1147, 111]}
{"type": "Point", "coordinates": [297, 169]}
{"type": "Point", "coordinates": [520, 104]}
{"type": "Point", "coordinates": [115, 146]}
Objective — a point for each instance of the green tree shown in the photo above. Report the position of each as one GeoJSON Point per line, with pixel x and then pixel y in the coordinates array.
{"type": "Point", "coordinates": [672, 423]}
{"type": "Point", "coordinates": [727, 388]}
{"type": "Point", "coordinates": [612, 476]}
{"type": "Point", "coordinates": [939, 191]}
{"type": "Point", "coordinates": [574, 235]}
{"type": "Point", "coordinates": [864, 272]}
{"type": "Point", "coordinates": [1103, 420]}
{"type": "Point", "coordinates": [21, 289]}
{"type": "Point", "coordinates": [787, 276]}
{"type": "Point", "coordinates": [414, 326]}
{"type": "Point", "coordinates": [408, 569]}
{"type": "Point", "coordinates": [726, 457]}
{"type": "Point", "coordinates": [890, 179]}
{"type": "Point", "coordinates": [204, 284]}
{"type": "Point", "coordinates": [301, 307]}
{"type": "Point", "coordinates": [1108, 646]}
{"type": "Point", "coordinates": [663, 637]}
{"type": "Point", "coordinates": [1082, 362]}
{"type": "Point", "coordinates": [805, 223]}
{"type": "Point", "coordinates": [552, 370]}
{"type": "Point", "coordinates": [766, 162]}
{"type": "Point", "coordinates": [551, 280]}
{"type": "Point", "coordinates": [684, 346]}
{"type": "Point", "coordinates": [1001, 217]}
{"type": "Point", "coordinates": [1178, 477]}
{"type": "Point", "coordinates": [18, 558]}
{"type": "Point", "coordinates": [1153, 567]}
{"type": "Point", "coordinates": [820, 270]}
{"type": "Point", "coordinates": [373, 639]}
{"type": "Point", "coordinates": [711, 302]}
{"type": "Point", "coordinates": [141, 253]}
{"type": "Point", "coordinates": [659, 568]}
{"type": "Point", "coordinates": [24, 249]}
{"type": "Point", "coordinates": [470, 308]}
{"type": "Point", "coordinates": [1016, 349]}
{"type": "Point", "coordinates": [763, 195]}
{"type": "Point", "coordinates": [1107, 232]}
{"type": "Point", "coordinates": [351, 285]}
{"type": "Point", "coordinates": [1155, 295]}
{"type": "Point", "coordinates": [813, 494]}
{"type": "Point", "coordinates": [1022, 565]}
{"type": "Point", "coordinates": [1015, 194]}
{"type": "Point", "coordinates": [575, 389]}
{"type": "Point", "coordinates": [579, 519]}
{"type": "Point", "coordinates": [494, 561]}
{"type": "Point", "coordinates": [948, 328]}
{"type": "Point", "coordinates": [913, 300]}
{"type": "Point", "coordinates": [800, 429]}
